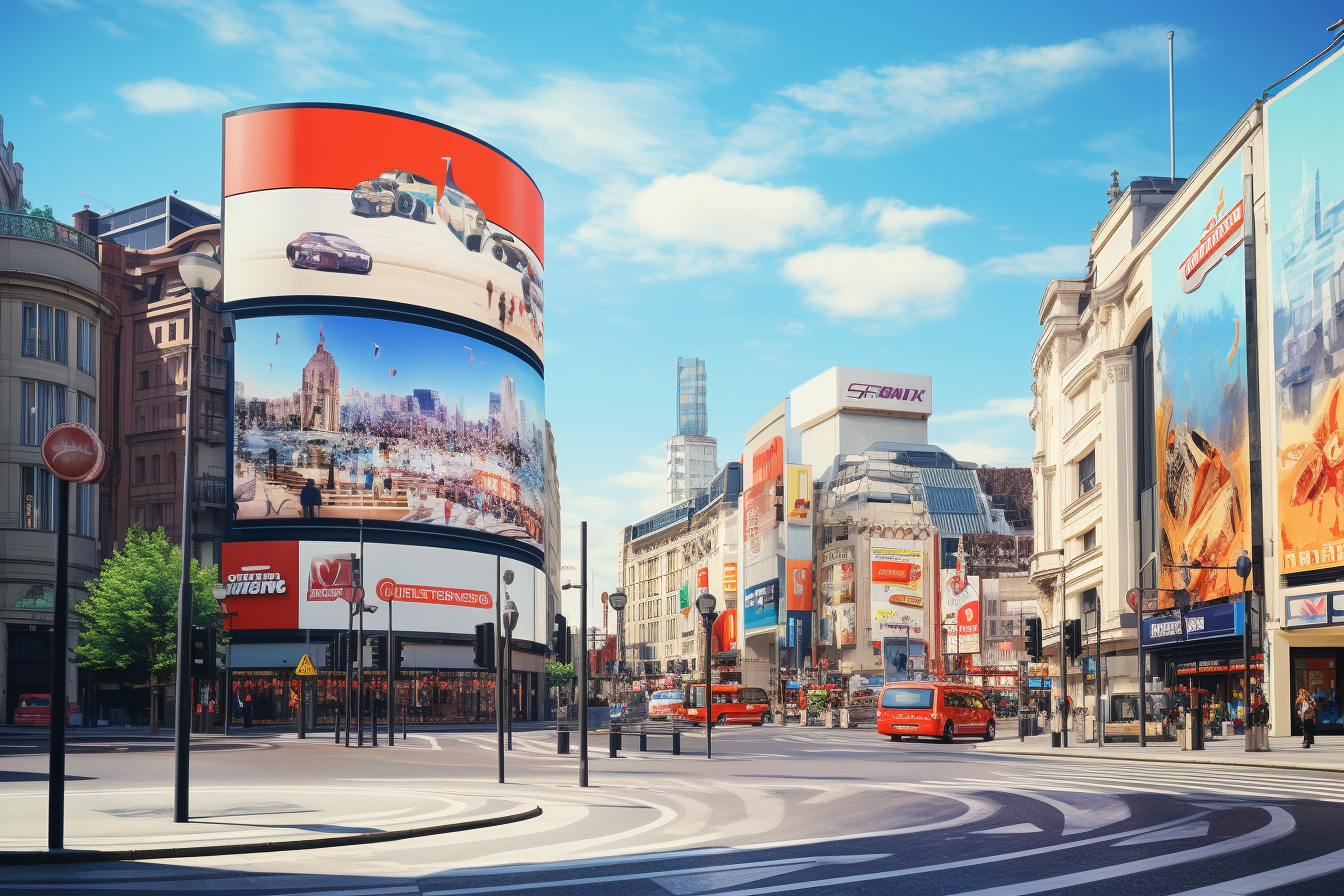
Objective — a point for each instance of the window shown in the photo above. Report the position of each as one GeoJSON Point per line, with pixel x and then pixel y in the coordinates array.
{"type": "Point", "coordinates": [1087, 473]}
{"type": "Point", "coordinates": [43, 407]}
{"type": "Point", "coordinates": [158, 335]}
{"type": "Point", "coordinates": [993, 628]}
{"type": "Point", "coordinates": [139, 471]}
{"type": "Point", "coordinates": [172, 331]}
{"type": "Point", "coordinates": [86, 410]}
{"type": "Point", "coordinates": [144, 380]}
{"type": "Point", "coordinates": [907, 698]}
{"type": "Point", "coordinates": [86, 508]}
{"type": "Point", "coordinates": [140, 516]}
{"type": "Point", "coordinates": [86, 349]}
{"type": "Point", "coordinates": [44, 330]}
{"type": "Point", "coordinates": [155, 468]}
{"type": "Point", "coordinates": [38, 499]}
{"type": "Point", "coordinates": [1089, 539]}
{"type": "Point", "coordinates": [172, 468]}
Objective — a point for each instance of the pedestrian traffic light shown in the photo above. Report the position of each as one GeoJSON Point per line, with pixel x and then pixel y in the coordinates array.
{"type": "Point", "coordinates": [485, 645]}
{"type": "Point", "coordinates": [341, 649]}
{"type": "Point", "coordinates": [202, 651]}
{"type": "Point", "coordinates": [1035, 649]}
{"type": "Point", "coordinates": [1073, 638]}
{"type": "Point", "coordinates": [560, 640]}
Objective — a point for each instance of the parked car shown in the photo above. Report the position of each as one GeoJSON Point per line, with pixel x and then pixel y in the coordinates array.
{"type": "Point", "coordinates": [732, 704]}
{"type": "Point", "coordinates": [629, 706]}
{"type": "Point", "coordinates": [933, 709]}
{"type": "Point", "coordinates": [328, 252]}
{"type": "Point", "coordinates": [35, 709]}
{"type": "Point", "coordinates": [665, 705]}
{"type": "Point", "coordinates": [395, 192]}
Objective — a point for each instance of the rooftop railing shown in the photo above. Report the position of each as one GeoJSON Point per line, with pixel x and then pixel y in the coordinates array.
{"type": "Point", "coordinates": [48, 231]}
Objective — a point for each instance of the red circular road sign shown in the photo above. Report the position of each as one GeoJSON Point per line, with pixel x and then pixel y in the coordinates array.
{"type": "Point", "coordinates": [74, 452]}
{"type": "Point", "coordinates": [825, 663]}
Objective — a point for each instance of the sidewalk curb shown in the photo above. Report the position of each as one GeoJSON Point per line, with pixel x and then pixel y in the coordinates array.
{"type": "Point", "coordinates": [72, 856]}
{"type": "Point", "coordinates": [1123, 757]}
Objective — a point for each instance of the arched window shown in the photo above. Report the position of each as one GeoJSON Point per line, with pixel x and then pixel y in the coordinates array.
{"type": "Point", "coordinates": [154, 468]}
{"type": "Point", "coordinates": [139, 471]}
{"type": "Point", "coordinates": [172, 467]}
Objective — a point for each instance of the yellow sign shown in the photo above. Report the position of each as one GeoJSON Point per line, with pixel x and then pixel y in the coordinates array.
{"type": "Point", "coordinates": [305, 667]}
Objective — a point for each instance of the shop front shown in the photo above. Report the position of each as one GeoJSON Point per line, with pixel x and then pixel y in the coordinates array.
{"type": "Point", "coordinates": [1198, 657]}
{"type": "Point", "coordinates": [1313, 633]}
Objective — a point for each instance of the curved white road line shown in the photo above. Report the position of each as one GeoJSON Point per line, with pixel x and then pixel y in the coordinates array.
{"type": "Point", "coordinates": [1275, 877]}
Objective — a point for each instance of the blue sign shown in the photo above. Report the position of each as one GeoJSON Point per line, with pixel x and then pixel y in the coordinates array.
{"type": "Point", "coordinates": [760, 606]}
{"type": "Point", "coordinates": [1219, 621]}
{"type": "Point", "coordinates": [1037, 684]}
{"type": "Point", "coordinates": [1313, 609]}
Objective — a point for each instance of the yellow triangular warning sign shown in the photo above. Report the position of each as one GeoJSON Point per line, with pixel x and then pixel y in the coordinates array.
{"type": "Point", "coordinates": [305, 667]}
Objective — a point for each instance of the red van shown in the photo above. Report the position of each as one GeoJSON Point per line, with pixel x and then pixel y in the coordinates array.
{"type": "Point", "coordinates": [35, 709]}
{"type": "Point", "coordinates": [732, 703]}
{"type": "Point", "coordinates": [933, 709]}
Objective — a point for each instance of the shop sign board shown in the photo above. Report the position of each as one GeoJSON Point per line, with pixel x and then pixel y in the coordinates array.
{"type": "Point", "coordinates": [1218, 621]}
{"type": "Point", "coordinates": [1313, 609]}
{"type": "Point", "coordinates": [798, 574]}
{"type": "Point", "coordinates": [760, 607]}
{"type": "Point", "coordinates": [798, 493]}
{"type": "Point", "coordinates": [961, 611]}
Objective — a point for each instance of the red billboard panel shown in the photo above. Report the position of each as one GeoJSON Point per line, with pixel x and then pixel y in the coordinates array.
{"type": "Point", "coordinates": [261, 584]}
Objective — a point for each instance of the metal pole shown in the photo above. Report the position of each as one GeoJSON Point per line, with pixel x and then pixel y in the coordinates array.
{"type": "Point", "coordinates": [1143, 681]}
{"type": "Point", "coordinates": [303, 731]}
{"type": "Point", "coordinates": [508, 680]}
{"type": "Point", "coordinates": [349, 659]}
{"type": "Point", "coordinates": [59, 625]}
{"type": "Point", "coordinates": [499, 667]}
{"type": "Point", "coordinates": [1171, 98]}
{"type": "Point", "coordinates": [709, 690]}
{"type": "Point", "coordinates": [182, 689]}
{"type": "Point", "coordinates": [1101, 727]}
{"type": "Point", "coordinates": [359, 666]}
{"type": "Point", "coordinates": [1063, 660]}
{"type": "Point", "coordinates": [373, 699]}
{"type": "Point", "coordinates": [583, 644]}
{"type": "Point", "coordinates": [391, 671]}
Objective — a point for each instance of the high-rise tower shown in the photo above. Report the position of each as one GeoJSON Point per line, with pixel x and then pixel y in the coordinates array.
{"type": "Point", "coordinates": [692, 456]}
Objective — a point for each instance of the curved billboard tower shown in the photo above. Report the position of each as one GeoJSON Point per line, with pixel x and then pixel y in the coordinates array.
{"type": "Point", "coordinates": [385, 274]}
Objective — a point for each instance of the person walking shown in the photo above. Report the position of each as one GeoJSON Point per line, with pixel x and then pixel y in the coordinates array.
{"type": "Point", "coordinates": [1306, 711]}
{"type": "Point", "coordinates": [310, 499]}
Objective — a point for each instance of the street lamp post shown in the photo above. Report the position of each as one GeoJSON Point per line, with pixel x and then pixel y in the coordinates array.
{"type": "Point", "coordinates": [502, 578]}
{"type": "Point", "coordinates": [583, 650]}
{"type": "Point", "coordinates": [225, 695]}
{"type": "Point", "coordinates": [617, 600]}
{"type": "Point", "coordinates": [510, 621]}
{"type": "Point", "coordinates": [705, 604]}
{"type": "Point", "coordinates": [200, 273]}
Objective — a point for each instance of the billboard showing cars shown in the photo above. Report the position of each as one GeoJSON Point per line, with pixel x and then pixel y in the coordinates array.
{"type": "Point", "coordinates": [1306, 279]}
{"type": "Point", "coordinates": [363, 203]}
{"type": "Point", "coordinates": [1202, 430]}
{"type": "Point", "coordinates": [347, 416]}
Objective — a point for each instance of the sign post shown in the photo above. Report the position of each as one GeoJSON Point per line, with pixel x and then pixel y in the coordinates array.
{"type": "Point", "coordinates": [73, 453]}
{"type": "Point", "coordinates": [304, 671]}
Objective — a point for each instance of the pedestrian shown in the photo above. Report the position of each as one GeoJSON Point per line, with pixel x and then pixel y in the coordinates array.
{"type": "Point", "coordinates": [310, 499]}
{"type": "Point", "coordinates": [1306, 711]}
{"type": "Point", "coordinates": [503, 309]}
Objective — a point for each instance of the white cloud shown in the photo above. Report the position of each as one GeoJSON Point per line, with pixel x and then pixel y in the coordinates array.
{"type": "Point", "coordinates": [995, 407]}
{"type": "Point", "coordinates": [882, 281]}
{"type": "Point", "coordinates": [1052, 261]}
{"type": "Point", "coordinates": [82, 112]}
{"type": "Point", "coordinates": [581, 124]}
{"type": "Point", "coordinates": [692, 224]}
{"type": "Point", "coordinates": [698, 44]}
{"type": "Point", "coordinates": [901, 223]}
{"type": "Point", "coordinates": [860, 111]}
{"type": "Point", "coordinates": [115, 30]}
{"type": "Point", "coordinates": [35, 99]}
{"type": "Point", "coordinates": [985, 452]}
{"type": "Point", "coordinates": [204, 206]}
{"type": "Point", "coordinates": [49, 6]}
{"type": "Point", "coordinates": [165, 96]}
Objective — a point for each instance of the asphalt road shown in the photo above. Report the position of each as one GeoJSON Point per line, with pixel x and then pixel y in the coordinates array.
{"type": "Point", "coordinates": [777, 810]}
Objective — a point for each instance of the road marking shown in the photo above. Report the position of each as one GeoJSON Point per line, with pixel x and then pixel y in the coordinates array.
{"type": "Point", "coordinates": [433, 741]}
{"type": "Point", "coordinates": [1025, 828]}
{"type": "Point", "coordinates": [1082, 812]}
{"type": "Point", "coordinates": [1182, 832]}
{"type": "Point", "coordinates": [694, 880]}
{"type": "Point", "coordinates": [1275, 877]}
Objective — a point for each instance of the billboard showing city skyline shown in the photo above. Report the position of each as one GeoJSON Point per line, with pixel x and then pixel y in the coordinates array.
{"type": "Point", "coordinates": [412, 212]}
{"type": "Point", "coordinates": [1202, 429]}
{"type": "Point", "coordinates": [353, 417]}
{"type": "Point", "coordinates": [1306, 280]}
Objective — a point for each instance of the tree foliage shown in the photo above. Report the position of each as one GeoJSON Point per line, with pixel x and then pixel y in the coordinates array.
{"type": "Point", "coordinates": [130, 616]}
{"type": "Point", "coordinates": [43, 212]}
{"type": "Point", "coordinates": [558, 674]}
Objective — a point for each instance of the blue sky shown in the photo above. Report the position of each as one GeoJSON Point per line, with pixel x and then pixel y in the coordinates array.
{"type": "Point", "coordinates": [775, 188]}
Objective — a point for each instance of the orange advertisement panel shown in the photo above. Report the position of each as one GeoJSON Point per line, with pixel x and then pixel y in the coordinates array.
{"type": "Point", "coordinates": [725, 631]}
{"type": "Point", "coordinates": [730, 577]}
{"type": "Point", "coordinates": [799, 576]}
{"type": "Point", "coordinates": [767, 462]}
{"type": "Point", "coordinates": [261, 583]}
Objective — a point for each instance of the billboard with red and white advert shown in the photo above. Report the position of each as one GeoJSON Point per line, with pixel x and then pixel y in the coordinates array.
{"type": "Point", "coordinates": [758, 520]}
{"type": "Point", "coordinates": [961, 612]}
{"type": "Point", "coordinates": [261, 584]}
{"type": "Point", "coordinates": [332, 578]}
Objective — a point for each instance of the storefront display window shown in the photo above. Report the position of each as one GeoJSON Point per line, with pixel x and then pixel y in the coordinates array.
{"type": "Point", "coordinates": [1316, 669]}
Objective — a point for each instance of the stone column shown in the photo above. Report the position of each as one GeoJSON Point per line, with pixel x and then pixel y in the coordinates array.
{"type": "Point", "coordinates": [1116, 469]}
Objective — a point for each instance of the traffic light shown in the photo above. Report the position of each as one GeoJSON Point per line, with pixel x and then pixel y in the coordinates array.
{"type": "Point", "coordinates": [202, 651]}
{"type": "Point", "coordinates": [375, 653]}
{"type": "Point", "coordinates": [1073, 638]}
{"type": "Point", "coordinates": [341, 649]}
{"type": "Point", "coordinates": [560, 640]}
{"type": "Point", "coordinates": [485, 645]}
{"type": "Point", "coordinates": [1033, 632]}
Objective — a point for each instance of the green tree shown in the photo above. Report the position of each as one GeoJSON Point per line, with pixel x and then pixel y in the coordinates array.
{"type": "Point", "coordinates": [130, 616]}
{"type": "Point", "coordinates": [43, 212]}
{"type": "Point", "coordinates": [558, 674]}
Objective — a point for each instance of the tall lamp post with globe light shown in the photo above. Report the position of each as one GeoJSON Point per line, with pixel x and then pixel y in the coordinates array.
{"type": "Point", "coordinates": [617, 600]}
{"type": "Point", "coordinates": [200, 273]}
{"type": "Point", "coordinates": [705, 604]}
{"type": "Point", "coordinates": [510, 622]}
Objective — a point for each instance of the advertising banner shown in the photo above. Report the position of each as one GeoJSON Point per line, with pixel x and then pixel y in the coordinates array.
{"type": "Point", "coordinates": [798, 574]}
{"type": "Point", "coordinates": [760, 607]}
{"type": "Point", "coordinates": [1314, 609]}
{"type": "Point", "coordinates": [844, 623]}
{"type": "Point", "coordinates": [724, 635]}
{"type": "Point", "coordinates": [896, 588]}
{"type": "Point", "coordinates": [902, 658]}
{"type": "Point", "coordinates": [729, 577]}
{"type": "Point", "coordinates": [798, 493]}
{"type": "Point", "coordinates": [758, 521]}
{"type": "Point", "coordinates": [342, 417]}
{"type": "Point", "coordinates": [364, 203]}
{"type": "Point", "coordinates": [261, 584]}
{"type": "Point", "coordinates": [767, 462]}
{"type": "Point", "coordinates": [1218, 621]}
{"type": "Point", "coordinates": [837, 579]}
{"type": "Point", "coordinates": [331, 577]}
{"type": "Point", "coordinates": [961, 612]}
{"type": "Point", "coordinates": [1202, 431]}
{"type": "Point", "coordinates": [684, 599]}
{"type": "Point", "coordinates": [1305, 186]}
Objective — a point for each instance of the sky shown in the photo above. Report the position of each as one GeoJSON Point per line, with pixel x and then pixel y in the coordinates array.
{"type": "Point", "coordinates": [765, 186]}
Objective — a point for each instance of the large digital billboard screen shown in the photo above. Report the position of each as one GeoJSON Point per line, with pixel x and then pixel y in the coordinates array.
{"type": "Point", "coordinates": [366, 204]}
{"type": "Point", "coordinates": [1306, 279]}
{"type": "Point", "coordinates": [343, 416]}
{"type": "Point", "coordinates": [1202, 429]}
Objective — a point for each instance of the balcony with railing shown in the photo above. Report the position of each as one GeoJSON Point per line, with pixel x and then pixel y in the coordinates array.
{"type": "Point", "coordinates": [214, 373]}
{"type": "Point", "coordinates": [45, 230]}
{"type": "Point", "coordinates": [211, 491]}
